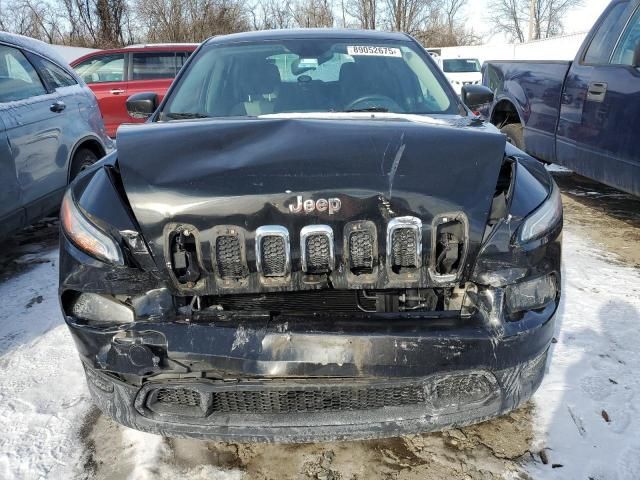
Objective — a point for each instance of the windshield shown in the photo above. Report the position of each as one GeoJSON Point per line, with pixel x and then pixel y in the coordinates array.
{"type": "Point", "coordinates": [461, 65]}
{"type": "Point", "coordinates": [312, 75]}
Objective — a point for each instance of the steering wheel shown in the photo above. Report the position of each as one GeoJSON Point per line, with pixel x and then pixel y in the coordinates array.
{"type": "Point", "coordinates": [373, 101]}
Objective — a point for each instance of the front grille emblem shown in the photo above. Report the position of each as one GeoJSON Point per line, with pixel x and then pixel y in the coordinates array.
{"type": "Point", "coordinates": [329, 205]}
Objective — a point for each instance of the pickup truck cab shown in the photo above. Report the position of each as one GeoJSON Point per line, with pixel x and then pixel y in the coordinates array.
{"type": "Point", "coordinates": [582, 114]}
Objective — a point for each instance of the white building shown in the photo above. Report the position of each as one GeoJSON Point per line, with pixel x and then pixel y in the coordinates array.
{"type": "Point", "coordinates": [562, 47]}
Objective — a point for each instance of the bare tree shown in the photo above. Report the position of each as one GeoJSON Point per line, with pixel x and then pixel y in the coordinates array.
{"type": "Point", "coordinates": [543, 18]}
{"type": "Point", "coordinates": [270, 14]}
{"type": "Point", "coordinates": [314, 13]}
{"type": "Point", "coordinates": [364, 12]}
{"type": "Point", "coordinates": [510, 18]}
{"type": "Point", "coordinates": [190, 20]}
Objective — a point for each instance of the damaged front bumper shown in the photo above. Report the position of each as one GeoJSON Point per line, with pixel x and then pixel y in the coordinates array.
{"type": "Point", "coordinates": [257, 381]}
{"type": "Point", "coordinates": [301, 378]}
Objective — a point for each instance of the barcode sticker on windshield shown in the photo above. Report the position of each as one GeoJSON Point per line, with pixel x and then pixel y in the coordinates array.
{"type": "Point", "coordinates": [373, 51]}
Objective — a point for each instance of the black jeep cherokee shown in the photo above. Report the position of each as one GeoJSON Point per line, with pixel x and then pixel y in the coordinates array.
{"type": "Point", "coordinates": [311, 238]}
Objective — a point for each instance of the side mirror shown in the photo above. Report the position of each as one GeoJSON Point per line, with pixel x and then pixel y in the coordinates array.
{"type": "Point", "coordinates": [474, 96]}
{"type": "Point", "coordinates": [636, 55]}
{"type": "Point", "coordinates": [142, 105]}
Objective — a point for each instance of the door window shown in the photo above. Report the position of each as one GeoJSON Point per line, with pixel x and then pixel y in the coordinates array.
{"type": "Point", "coordinates": [55, 76]}
{"type": "Point", "coordinates": [102, 68]}
{"type": "Point", "coordinates": [154, 65]}
{"type": "Point", "coordinates": [629, 43]}
{"type": "Point", "coordinates": [605, 38]}
{"type": "Point", "coordinates": [181, 58]}
{"type": "Point", "coordinates": [18, 79]}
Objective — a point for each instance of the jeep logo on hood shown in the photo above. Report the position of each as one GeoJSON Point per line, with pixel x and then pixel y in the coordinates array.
{"type": "Point", "coordinates": [331, 205]}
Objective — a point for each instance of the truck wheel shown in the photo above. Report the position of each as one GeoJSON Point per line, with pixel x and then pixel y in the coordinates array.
{"type": "Point", "coordinates": [82, 159]}
{"type": "Point", "coordinates": [515, 134]}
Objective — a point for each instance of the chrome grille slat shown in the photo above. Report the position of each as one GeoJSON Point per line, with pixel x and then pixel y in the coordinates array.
{"type": "Point", "coordinates": [404, 244]}
{"type": "Point", "coordinates": [273, 251]}
{"type": "Point", "coordinates": [316, 247]}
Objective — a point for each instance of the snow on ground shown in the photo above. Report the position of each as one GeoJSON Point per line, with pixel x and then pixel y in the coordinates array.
{"type": "Point", "coordinates": [42, 398]}
{"type": "Point", "coordinates": [585, 416]}
{"type": "Point", "coordinates": [588, 406]}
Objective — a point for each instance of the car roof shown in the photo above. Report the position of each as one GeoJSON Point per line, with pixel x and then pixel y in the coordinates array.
{"type": "Point", "coordinates": [317, 33]}
{"type": "Point", "coordinates": [35, 46]}
{"type": "Point", "coordinates": [149, 47]}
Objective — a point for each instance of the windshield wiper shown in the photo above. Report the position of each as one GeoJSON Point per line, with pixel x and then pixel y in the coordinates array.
{"type": "Point", "coordinates": [185, 115]}
{"type": "Point", "coordinates": [368, 109]}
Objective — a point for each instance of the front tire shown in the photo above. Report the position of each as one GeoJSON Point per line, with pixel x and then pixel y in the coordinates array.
{"type": "Point", "coordinates": [83, 159]}
{"type": "Point", "coordinates": [515, 134]}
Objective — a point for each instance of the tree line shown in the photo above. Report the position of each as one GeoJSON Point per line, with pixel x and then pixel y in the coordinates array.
{"type": "Point", "coordinates": [115, 23]}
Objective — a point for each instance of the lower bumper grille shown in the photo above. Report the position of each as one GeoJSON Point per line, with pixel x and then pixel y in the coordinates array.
{"type": "Point", "coordinates": [328, 399]}
{"type": "Point", "coordinates": [210, 399]}
{"type": "Point", "coordinates": [289, 400]}
{"type": "Point", "coordinates": [178, 396]}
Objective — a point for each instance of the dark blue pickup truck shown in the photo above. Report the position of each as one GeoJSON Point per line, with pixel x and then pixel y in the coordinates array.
{"type": "Point", "coordinates": [585, 114]}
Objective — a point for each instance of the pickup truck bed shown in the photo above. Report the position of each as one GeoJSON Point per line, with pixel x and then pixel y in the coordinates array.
{"type": "Point", "coordinates": [581, 114]}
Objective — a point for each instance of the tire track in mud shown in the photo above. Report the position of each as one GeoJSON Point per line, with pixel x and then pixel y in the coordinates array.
{"type": "Point", "coordinates": [490, 450]}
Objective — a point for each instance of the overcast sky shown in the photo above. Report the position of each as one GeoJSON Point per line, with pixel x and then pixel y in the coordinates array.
{"type": "Point", "coordinates": [579, 20]}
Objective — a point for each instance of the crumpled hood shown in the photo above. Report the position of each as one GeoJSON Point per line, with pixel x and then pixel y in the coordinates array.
{"type": "Point", "coordinates": [246, 172]}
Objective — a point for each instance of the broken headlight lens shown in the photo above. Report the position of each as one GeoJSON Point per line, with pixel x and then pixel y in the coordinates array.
{"type": "Point", "coordinates": [544, 218]}
{"type": "Point", "coordinates": [85, 235]}
{"type": "Point", "coordinates": [531, 294]}
{"type": "Point", "coordinates": [100, 308]}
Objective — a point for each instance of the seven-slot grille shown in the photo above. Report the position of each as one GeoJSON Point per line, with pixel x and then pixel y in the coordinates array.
{"type": "Point", "coordinates": [404, 250]}
{"type": "Point", "coordinates": [229, 256]}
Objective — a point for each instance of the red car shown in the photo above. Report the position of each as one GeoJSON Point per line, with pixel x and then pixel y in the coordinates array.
{"type": "Point", "coordinates": [115, 75]}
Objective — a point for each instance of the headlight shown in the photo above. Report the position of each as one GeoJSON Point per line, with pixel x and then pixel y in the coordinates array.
{"type": "Point", "coordinates": [531, 294]}
{"type": "Point", "coordinates": [544, 218]}
{"type": "Point", "coordinates": [86, 236]}
{"type": "Point", "coordinates": [101, 308]}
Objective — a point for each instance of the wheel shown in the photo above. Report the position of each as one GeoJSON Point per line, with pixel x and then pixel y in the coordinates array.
{"type": "Point", "coordinates": [82, 159]}
{"type": "Point", "coordinates": [515, 134]}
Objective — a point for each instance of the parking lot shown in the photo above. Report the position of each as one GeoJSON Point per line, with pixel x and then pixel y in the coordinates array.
{"type": "Point", "coordinates": [578, 426]}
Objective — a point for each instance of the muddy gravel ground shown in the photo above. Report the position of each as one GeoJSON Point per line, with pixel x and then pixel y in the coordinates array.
{"type": "Point", "coordinates": [496, 449]}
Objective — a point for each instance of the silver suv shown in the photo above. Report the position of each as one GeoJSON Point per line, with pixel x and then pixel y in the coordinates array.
{"type": "Point", "coordinates": [50, 129]}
